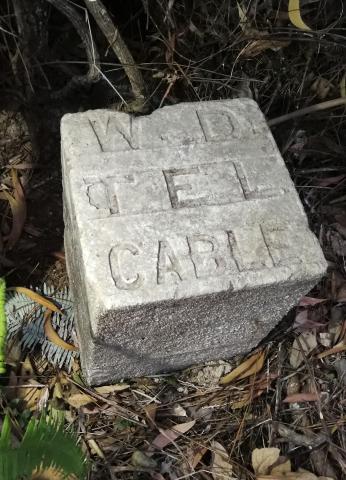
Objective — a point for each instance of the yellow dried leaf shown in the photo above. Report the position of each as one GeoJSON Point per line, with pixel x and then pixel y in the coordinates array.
{"type": "Point", "coordinates": [252, 365]}
{"type": "Point", "coordinates": [31, 395]}
{"type": "Point", "coordinates": [283, 468]}
{"type": "Point", "coordinates": [263, 458]}
{"type": "Point", "coordinates": [255, 368]}
{"type": "Point", "coordinates": [119, 387]}
{"type": "Point", "coordinates": [53, 336]}
{"type": "Point", "coordinates": [140, 459]}
{"type": "Point", "coordinates": [94, 447]}
{"type": "Point", "coordinates": [36, 297]}
{"type": "Point", "coordinates": [340, 347]}
{"type": "Point", "coordinates": [241, 403]}
{"type": "Point", "coordinates": [295, 16]}
{"type": "Point", "coordinates": [220, 468]}
{"type": "Point", "coordinates": [243, 20]}
{"type": "Point", "coordinates": [256, 47]}
{"type": "Point", "coordinates": [77, 400]}
{"type": "Point", "coordinates": [303, 475]}
{"type": "Point", "coordinates": [50, 473]}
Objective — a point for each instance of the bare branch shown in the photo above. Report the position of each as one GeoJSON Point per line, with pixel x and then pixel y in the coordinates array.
{"type": "Point", "coordinates": [111, 32]}
{"type": "Point", "coordinates": [81, 27]}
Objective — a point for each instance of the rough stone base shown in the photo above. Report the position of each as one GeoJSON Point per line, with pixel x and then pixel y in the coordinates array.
{"type": "Point", "coordinates": [185, 238]}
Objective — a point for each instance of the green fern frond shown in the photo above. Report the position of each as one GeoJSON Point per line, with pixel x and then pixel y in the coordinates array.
{"type": "Point", "coordinates": [45, 445]}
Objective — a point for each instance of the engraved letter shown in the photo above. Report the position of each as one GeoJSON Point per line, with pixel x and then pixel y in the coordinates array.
{"type": "Point", "coordinates": [101, 192]}
{"type": "Point", "coordinates": [100, 198]}
{"type": "Point", "coordinates": [253, 192]}
{"type": "Point", "coordinates": [120, 264]}
{"type": "Point", "coordinates": [111, 131]}
{"type": "Point", "coordinates": [167, 263]}
{"type": "Point", "coordinates": [216, 126]}
{"type": "Point", "coordinates": [204, 254]}
{"type": "Point", "coordinates": [173, 188]}
{"type": "Point", "coordinates": [249, 249]}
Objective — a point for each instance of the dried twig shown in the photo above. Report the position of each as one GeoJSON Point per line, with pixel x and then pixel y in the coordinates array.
{"type": "Point", "coordinates": [31, 20]}
{"type": "Point", "coordinates": [310, 441]}
{"type": "Point", "coordinates": [305, 111]}
{"type": "Point", "coordinates": [79, 24]}
{"type": "Point", "coordinates": [111, 32]}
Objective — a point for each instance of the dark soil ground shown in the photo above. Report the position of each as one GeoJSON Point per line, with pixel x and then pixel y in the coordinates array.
{"type": "Point", "coordinates": [188, 51]}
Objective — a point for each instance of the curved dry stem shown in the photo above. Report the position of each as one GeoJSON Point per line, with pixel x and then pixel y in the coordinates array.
{"type": "Point", "coordinates": [337, 102]}
{"type": "Point", "coordinates": [79, 24]}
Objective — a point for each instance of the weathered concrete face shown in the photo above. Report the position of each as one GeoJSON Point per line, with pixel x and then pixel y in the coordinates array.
{"type": "Point", "coordinates": [185, 238]}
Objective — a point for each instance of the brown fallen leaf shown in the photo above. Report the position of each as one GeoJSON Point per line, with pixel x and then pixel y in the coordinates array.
{"type": "Point", "coordinates": [168, 436]}
{"type": "Point", "coordinates": [263, 459]}
{"type": "Point", "coordinates": [282, 468]}
{"type": "Point", "coordinates": [77, 400]}
{"type": "Point", "coordinates": [341, 294]}
{"type": "Point", "coordinates": [256, 389]}
{"type": "Point", "coordinates": [53, 336]}
{"type": "Point", "coordinates": [322, 87]}
{"type": "Point", "coordinates": [197, 454]}
{"type": "Point", "coordinates": [150, 412]}
{"type": "Point", "coordinates": [249, 367]}
{"type": "Point", "coordinates": [304, 344]}
{"type": "Point", "coordinates": [307, 301]}
{"type": "Point", "coordinates": [140, 459]}
{"type": "Point", "coordinates": [30, 394]}
{"type": "Point", "coordinates": [288, 476]}
{"type": "Point", "coordinates": [302, 397]}
{"type": "Point", "coordinates": [25, 387]}
{"type": "Point", "coordinates": [256, 47]}
{"type": "Point", "coordinates": [302, 322]}
{"type": "Point", "coordinates": [220, 468]}
{"type": "Point", "coordinates": [119, 387]}
{"type": "Point", "coordinates": [18, 208]}
{"type": "Point", "coordinates": [327, 181]}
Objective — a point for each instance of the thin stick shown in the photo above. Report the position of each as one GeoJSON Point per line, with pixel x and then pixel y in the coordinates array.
{"type": "Point", "coordinates": [90, 49]}
{"type": "Point", "coordinates": [305, 111]}
{"type": "Point", "coordinates": [119, 47]}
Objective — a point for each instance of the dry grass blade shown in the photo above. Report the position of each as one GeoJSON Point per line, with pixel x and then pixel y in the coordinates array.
{"type": "Point", "coordinates": [343, 86]}
{"type": "Point", "coordinates": [249, 367]}
{"type": "Point", "coordinates": [53, 336]}
{"type": "Point", "coordinates": [340, 347]}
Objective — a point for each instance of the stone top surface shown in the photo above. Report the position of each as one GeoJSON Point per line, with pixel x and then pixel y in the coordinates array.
{"type": "Point", "coordinates": [193, 199]}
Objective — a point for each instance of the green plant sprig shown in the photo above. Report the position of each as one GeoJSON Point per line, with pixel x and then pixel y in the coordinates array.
{"type": "Point", "coordinates": [3, 325]}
